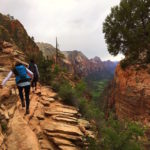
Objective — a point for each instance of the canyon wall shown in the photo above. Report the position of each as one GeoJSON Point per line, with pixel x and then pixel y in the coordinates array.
{"type": "Point", "coordinates": [130, 93]}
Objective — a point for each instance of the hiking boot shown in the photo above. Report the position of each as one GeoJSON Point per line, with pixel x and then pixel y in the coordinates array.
{"type": "Point", "coordinates": [27, 112]}
{"type": "Point", "coordinates": [23, 104]}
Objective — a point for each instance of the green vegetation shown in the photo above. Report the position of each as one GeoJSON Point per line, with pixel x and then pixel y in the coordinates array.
{"type": "Point", "coordinates": [4, 126]}
{"type": "Point", "coordinates": [4, 35]}
{"type": "Point", "coordinates": [127, 30]}
{"type": "Point", "coordinates": [121, 135]}
{"type": "Point", "coordinates": [112, 134]}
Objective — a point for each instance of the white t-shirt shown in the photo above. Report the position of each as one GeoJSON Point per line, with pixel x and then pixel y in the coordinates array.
{"type": "Point", "coordinates": [20, 84]}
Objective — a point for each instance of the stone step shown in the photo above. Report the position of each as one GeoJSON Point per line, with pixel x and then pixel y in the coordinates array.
{"type": "Point", "coordinates": [50, 113]}
{"type": "Point", "coordinates": [60, 141]}
{"type": "Point", "coordinates": [45, 144]}
{"type": "Point", "coordinates": [68, 120]}
{"type": "Point", "coordinates": [60, 128]}
{"type": "Point", "coordinates": [64, 147]}
{"type": "Point", "coordinates": [76, 138]}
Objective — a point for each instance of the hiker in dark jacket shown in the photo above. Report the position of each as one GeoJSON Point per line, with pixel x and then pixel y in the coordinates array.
{"type": "Point", "coordinates": [33, 67]}
{"type": "Point", "coordinates": [23, 80]}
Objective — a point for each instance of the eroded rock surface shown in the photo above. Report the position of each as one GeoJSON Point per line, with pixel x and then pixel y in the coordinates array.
{"type": "Point", "coordinates": [131, 93]}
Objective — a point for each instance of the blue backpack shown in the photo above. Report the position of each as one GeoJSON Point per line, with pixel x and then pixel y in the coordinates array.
{"type": "Point", "coordinates": [21, 74]}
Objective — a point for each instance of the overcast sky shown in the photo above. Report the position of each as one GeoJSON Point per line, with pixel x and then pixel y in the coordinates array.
{"type": "Point", "coordinates": [76, 23]}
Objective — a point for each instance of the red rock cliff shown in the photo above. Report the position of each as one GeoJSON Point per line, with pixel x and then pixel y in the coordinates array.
{"type": "Point", "coordinates": [130, 93]}
{"type": "Point", "coordinates": [11, 30]}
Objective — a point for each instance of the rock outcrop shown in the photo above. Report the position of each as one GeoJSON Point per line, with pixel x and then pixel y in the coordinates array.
{"type": "Point", "coordinates": [51, 125]}
{"type": "Point", "coordinates": [11, 30]}
{"type": "Point", "coordinates": [130, 93]}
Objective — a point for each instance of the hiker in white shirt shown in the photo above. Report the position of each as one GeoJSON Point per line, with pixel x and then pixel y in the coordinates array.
{"type": "Point", "coordinates": [23, 81]}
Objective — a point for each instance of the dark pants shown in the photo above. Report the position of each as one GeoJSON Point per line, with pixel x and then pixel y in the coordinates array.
{"type": "Point", "coordinates": [27, 92]}
{"type": "Point", "coordinates": [34, 82]}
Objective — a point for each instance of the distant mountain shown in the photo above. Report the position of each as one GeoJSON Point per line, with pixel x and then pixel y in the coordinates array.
{"type": "Point", "coordinates": [94, 69]}
{"type": "Point", "coordinates": [77, 63]}
{"type": "Point", "coordinates": [101, 69]}
{"type": "Point", "coordinates": [48, 50]}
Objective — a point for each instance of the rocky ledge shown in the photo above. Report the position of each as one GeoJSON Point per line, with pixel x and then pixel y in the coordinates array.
{"type": "Point", "coordinates": [51, 125]}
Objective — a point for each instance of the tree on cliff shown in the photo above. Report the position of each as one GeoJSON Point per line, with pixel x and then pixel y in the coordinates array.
{"type": "Point", "coordinates": [127, 28]}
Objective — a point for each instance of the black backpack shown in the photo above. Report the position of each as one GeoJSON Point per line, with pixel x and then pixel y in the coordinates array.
{"type": "Point", "coordinates": [32, 68]}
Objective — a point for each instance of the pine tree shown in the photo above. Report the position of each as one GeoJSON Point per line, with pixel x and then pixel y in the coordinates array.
{"type": "Point", "coordinates": [127, 28]}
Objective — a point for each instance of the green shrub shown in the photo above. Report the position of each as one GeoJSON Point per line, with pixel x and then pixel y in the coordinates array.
{"type": "Point", "coordinates": [55, 86]}
{"type": "Point", "coordinates": [124, 64]}
{"type": "Point", "coordinates": [56, 70]}
{"type": "Point", "coordinates": [4, 126]}
{"type": "Point", "coordinates": [66, 93]}
{"type": "Point", "coordinates": [80, 88]}
{"type": "Point", "coordinates": [4, 34]}
{"type": "Point", "coordinates": [118, 135]}
{"type": "Point", "coordinates": [93, 144]}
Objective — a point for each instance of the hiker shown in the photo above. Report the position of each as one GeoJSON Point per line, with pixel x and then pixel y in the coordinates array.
{"type": "Point", "coordinates": [23, 80]}
{"type": "Point", "coordinates": [33, 67]}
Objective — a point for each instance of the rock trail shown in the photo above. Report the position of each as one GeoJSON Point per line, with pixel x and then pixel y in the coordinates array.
{"type": "Point", "coordinates": [51, 125]}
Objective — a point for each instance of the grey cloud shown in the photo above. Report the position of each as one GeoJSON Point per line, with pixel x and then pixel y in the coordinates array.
{"type": "Point", "coordinates": [77, 23]}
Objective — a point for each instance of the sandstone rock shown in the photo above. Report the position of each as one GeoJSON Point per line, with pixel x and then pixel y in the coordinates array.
{"type": "Point", "coordinates": [11, 111]}
{"type": "Point", "coordinates": [22, 136]}
{"type": "Point", "coordinates": [76, 138]}
{"type": "Point", "coordinates": [68, 148]}
{"type": "Point", "coordinates": [49, 99]}
{"type": "Point", "coordinates": [130, 93]}
{"type": "Point", "coordinates": [38, 92]}
{"type": "Point", "coordinates": [46, 145]}
{"type": "Point", "coordinates": [40, 117]}
{"type": "Point", "coordinates": [3, 69]}
{"type": "Point", "coordinates": [50, 113]}
{"type": "Point", "coordinates": [46, 92]}
{"type": "Point", "coordinates": [3, 107]}
{"type": "Point", "coordinates": [8, 50]}
{"type": "Point", "coordinates": [61, 128]}
{"type": "Point", "coordinates": [1, 137]}
{"type": "Point", "coordinates": [6, 45]}
{"type": "Point", "coordinates": [60, 141]}
{"type": "Point", "coordinates": [6, 115]}
{"type": "Point", "coordinates": [4, 93]}
{"type": "Point", "coordinates": [65, 106]}
{"type": "Point", "coordinates": [66, 110]}
{"type": "Point", "coordinates": [90, 134]}
{"type": "Point", "coordinates": [84, 123]}
{"type": "Point", "coordinates": [65, 119]}
{"type": "Point", "coordinates": [45, 103]}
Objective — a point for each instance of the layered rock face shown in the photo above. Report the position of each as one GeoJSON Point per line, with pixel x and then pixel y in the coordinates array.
{"type": "Point", "coordinates": [79, 62]}
{"type": "Point", "coordinates": [11, 30]}
{"type": "Point", "coordinates": [90, 68]}
{"type": "Point", "coordinates": [49, 52]}
{"type": "Point", "coordinates": [130, 93]}
{"type": "Point", "coordinates": [51, 125]}
{"type": "Point", "coordinates": [47, 49]}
